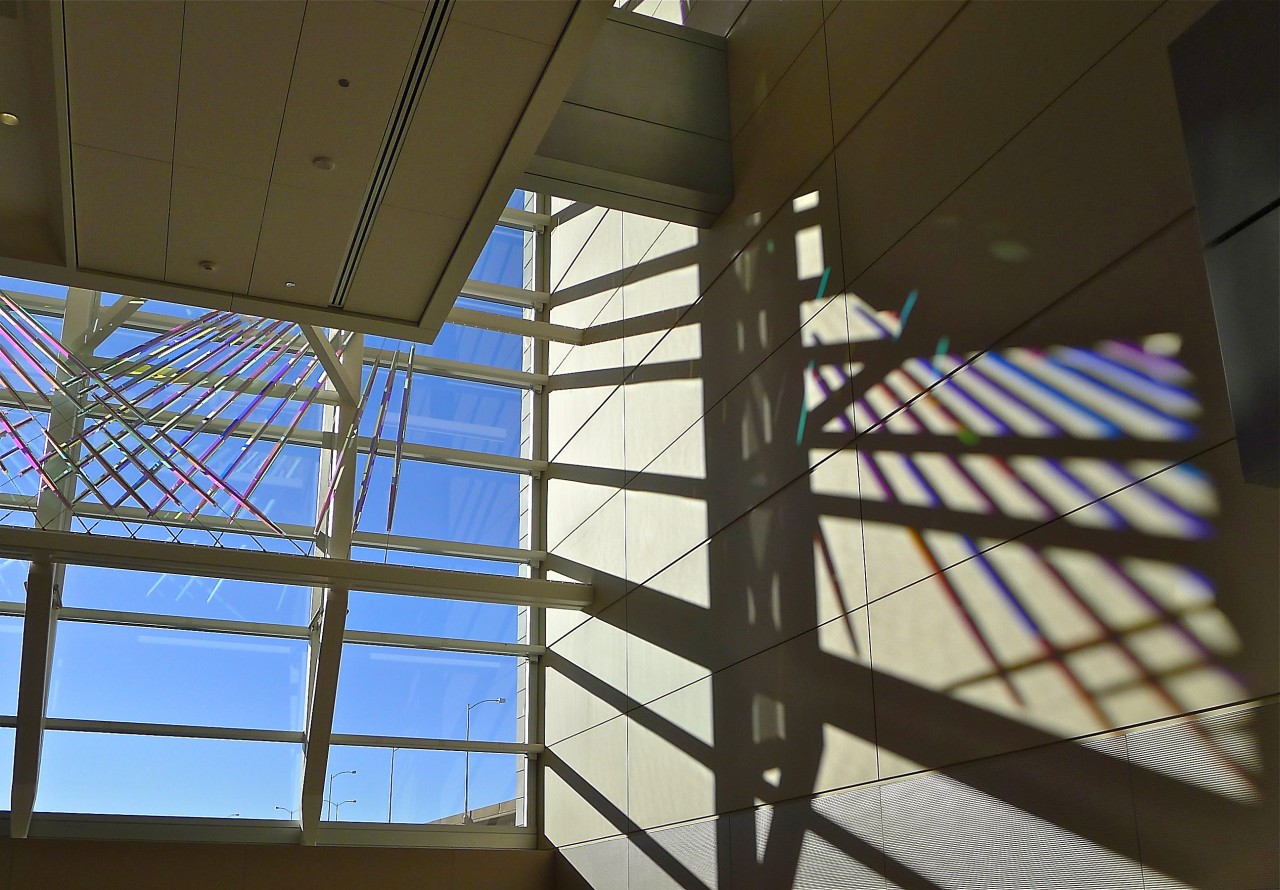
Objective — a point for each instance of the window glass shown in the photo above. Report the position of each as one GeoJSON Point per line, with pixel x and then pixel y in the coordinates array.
{"type": "Point", "coordinates": [87, 772]}
{"type": "Point", "coordinates": [502, 260]}
{"type": "Point", "coordinates": [150, 675]}
{"type": "Point", "coordinates": [187, 596]}
{"type": "Point", "coordinates": [442, 502]}
{"type": "Point", "coordinates": [10, 663]}
{"type": "Point", "coordinates": [384, 690]}
{"type": "Point", "coordinates": [13, 577]}
{"type": "Point", "coordinates": [444, 412]}
{"type": "Point", "coordinates": [426, 787]}
{"type": "Point", "coordinates": [389, 613]}
{"type": "Point", "coordinates": [432, 561]}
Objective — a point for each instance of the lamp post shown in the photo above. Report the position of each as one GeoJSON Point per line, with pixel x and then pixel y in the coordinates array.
{"type": "Point", "coordinates": [287, 810]}
{"type": "Point", "coordinates": [345, 772]}
{"type": "Point", "coordinates": [338, 804]}
{"type": "Point", "coordinates": [466, 771]}
{"type": "Point", "coordinates": [391, 788]}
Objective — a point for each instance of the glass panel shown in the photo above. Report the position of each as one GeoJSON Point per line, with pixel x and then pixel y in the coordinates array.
{"type": "Point", "coordinates": [6, 765]}
{"type": "Point", "coordinates": [85, 772]}
{"type": "Point", "coordinates": [13, 577]}
{"type": "Point", "coordinates": [407, 692]}
{"type": "Point", "coordinates": [502, 260]}
{"type": "Point", "coordinates": [10, 665]}
{"type": "Point", "coordinates": [517, 199]}
{"type": "Point", "coordinates": [389, 613]}
{"type": "Point", "coordinates": [443, 502]}
{"type": "Point", "coordinates": [446, 413]}
{"type": "Point", "coordinates": [86, 587]}
{"type": "Point", "coordinates": [147, 675]}
{"type": "Point", "coordinates": [27, 286]}
{"type": "Point", "coordinates": [18, 478]}
{"type": "Point", "coordinates": [431, 561]}
{"type": "Point", "coordinates": [406, 785]}
{"type": "Point", "coordinates": [490, 306]}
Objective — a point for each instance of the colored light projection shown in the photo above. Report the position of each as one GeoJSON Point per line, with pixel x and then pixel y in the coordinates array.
{"type": "Point", "coordinates": [1043, 551]}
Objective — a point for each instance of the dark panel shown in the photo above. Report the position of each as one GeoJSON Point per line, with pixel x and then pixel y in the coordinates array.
{"type": "Point", "coordinates": [1226, 69]}
{"type": "Point", "coordinates": [1215, 824]}
{"type": "Point", "coordinates": [1244, 278]}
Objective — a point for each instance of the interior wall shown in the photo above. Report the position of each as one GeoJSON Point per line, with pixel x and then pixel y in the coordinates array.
{"type": "Point", "coordinates": [39, 864]}
{"type": "Point", "coordinates": [1017, 630]}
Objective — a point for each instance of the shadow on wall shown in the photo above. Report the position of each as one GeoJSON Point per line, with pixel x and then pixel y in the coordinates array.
{"type": "Point", "coordinates": [959, 569]}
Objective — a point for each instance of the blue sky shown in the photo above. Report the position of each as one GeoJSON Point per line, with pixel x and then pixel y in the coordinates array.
{"type": "Point", "coordinates": [136, 674]}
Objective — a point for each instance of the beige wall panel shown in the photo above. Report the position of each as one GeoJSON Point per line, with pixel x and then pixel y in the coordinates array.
{"type": "Point", "coordinates": [668, 641]}
{"type": "Point", "coordinates": [586, 675]}
{"type": "Point", "coordinates": [81, 865]}
{"type": "Point", "coordinates": [213, 217]}
{"type": "Point", "coordinates": [593, 417]}
{"type": "Point", "coordinates": [765, 40]}
{"type": "Point", "coordinates": [870, 43]}
{"type": "Point", "coordinates": [304, 238]}
{"type": "Point", "coordinates": [1073, 630]}
{"type": "Point", "coordinates": [568, 239]}
{"type": "Point", "coordinates": [598, 362]}
{"type": "Point", "coordinates": [401, 262]}
{"type": "Point", "coordinates": [958, 104]}
{"type": "Point", "coordinates": [672, 757]}
{"type": "Point", "coordinates": [444, 169]}
{"type": "Point", "coordinates": [783, 143]}
{"type": "Point", "coordinates": [592, 551]}
{"type": "Point", "coordinates": [322, 118]}
{"type": "Point", "coordinates": [122, 75]}
{"type": "Point", "coordinates": [585, 785]}
{"type": "Point", "coordinates": [249, 89]}
{"type": "Point", "coordinates": [670, 408]}
{"type": "Point", "coordinates": [541, 23]}
{"type": "Point", "coordinates": [122, 212]}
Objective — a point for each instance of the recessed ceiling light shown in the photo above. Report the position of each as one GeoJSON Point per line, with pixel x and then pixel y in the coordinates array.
{"type": "Point", "coordinates": [343, 82]}
{"type": "Point", "coordinates": [9, 120]}
{"type": "Point", "coordinates": [208, 265]}
{"type": "Point", "coordinates": [322, 162]}
{"type": "Point", "coordinates": [290, 284]}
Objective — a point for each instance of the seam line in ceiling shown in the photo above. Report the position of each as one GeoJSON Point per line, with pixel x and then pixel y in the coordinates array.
{"type": "Point", "coordinates": [393, 139]}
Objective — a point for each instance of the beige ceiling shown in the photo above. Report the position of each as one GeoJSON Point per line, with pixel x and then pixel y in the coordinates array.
{"type": "Point", "coordinates": [176, 136]}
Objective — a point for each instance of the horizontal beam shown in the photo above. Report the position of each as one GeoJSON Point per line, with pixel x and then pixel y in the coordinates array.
{"type": "Point", "coordinates": [505, 293]}
{"type": "Point", "coordinates": [246, 565]}
{"type": "Point", "coordinates": [280, 631]}
{"type": "Point", "coordinates": [173, 730]}
{"type": "Point", "coordinates": [444, 367]}
{"type": "Point", "coordinates": [292, 531]}
{"type": "Point", "coordinates": [524, 219]}
{"type": "Point", "coordinates": [396, 741]}
{"type": "Point", "coordinates": [507, 324]}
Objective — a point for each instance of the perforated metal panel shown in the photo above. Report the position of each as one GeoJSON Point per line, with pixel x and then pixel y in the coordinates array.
{"type": "Point", "coordinates": [671, 858]}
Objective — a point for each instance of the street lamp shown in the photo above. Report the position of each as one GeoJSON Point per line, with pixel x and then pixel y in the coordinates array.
{"type": "Point", "coordinates": [338, 804]}
{"type": "Point", "coordinates": [345, 772]}
{"type": "Point", "coordinates": [391, 788]}
{"type": "Point", "coordinates": [466, 772]}
{"type": "Point", "coordinates": [287, 810]}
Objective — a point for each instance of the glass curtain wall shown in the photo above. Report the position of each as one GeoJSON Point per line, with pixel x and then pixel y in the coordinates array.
{"type": "Point", "coordinates": [179, 696]}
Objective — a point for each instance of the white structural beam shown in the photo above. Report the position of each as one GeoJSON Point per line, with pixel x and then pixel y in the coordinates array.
{"type": "Point", "coordinates": [507, 324]}
{"type": "Point", "coordinates": [33, 692]}
{"type": "Point", "coordinates": [76, 548]}
{"type": "Point", "coordinates": [341, 377]}
{"type": "Point", "coordinates": [524, 219]}
{"type": "Point", "coordinates": [505, 294]}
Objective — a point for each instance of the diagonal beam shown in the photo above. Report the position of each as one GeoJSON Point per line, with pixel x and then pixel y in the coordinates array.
{"type": "Point", "coordinates": [341, 377]}
{"type": "Point", "coordinates": [329, 603]}
{"type": "Point", "coordinates": [38, 630]}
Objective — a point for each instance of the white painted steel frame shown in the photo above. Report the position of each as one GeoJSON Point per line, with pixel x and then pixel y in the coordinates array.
{"type": "Point", "coordinates": [46, 548]}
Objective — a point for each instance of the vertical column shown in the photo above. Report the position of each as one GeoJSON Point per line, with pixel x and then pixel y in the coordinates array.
{"type": "Point", "coordinates": [44, 578]}
{"type": "Point", "coordinates": [329, 605]}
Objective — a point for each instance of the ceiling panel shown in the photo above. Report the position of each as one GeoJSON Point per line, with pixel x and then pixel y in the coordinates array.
{"type": "Point", "coordinates": [122, 212]}
{"type": "Point", "coordinates": [542, 21]}
{"type": "Point", "coordinates": [443, 170]}
{"type": "Point", "coordinates": [122, 73]}
{"type": "Point", "coordinates": [304, 238]}
{"type": "Point", "coordinates": [213, 217]}
{"type": "Point", "coordinates": [401, 262]}
{"type": "Point", "coordinates": [368, 44]}
{"type": "Point", "coordinates": [229, 115]}
{"type": "Point", "coordinates": [26, 223]}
